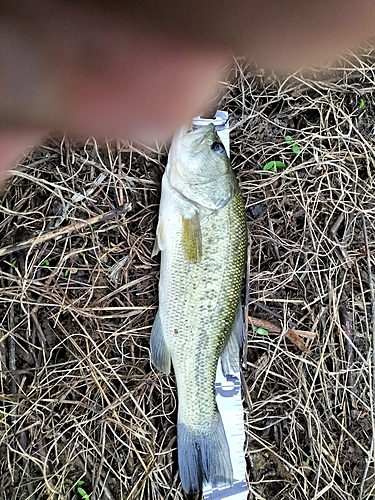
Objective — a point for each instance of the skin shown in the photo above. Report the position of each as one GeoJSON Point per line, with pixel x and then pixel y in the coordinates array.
{"type": "Point", "coordinates": [138, 70]}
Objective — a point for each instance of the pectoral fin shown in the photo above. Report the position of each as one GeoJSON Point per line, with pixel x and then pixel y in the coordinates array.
{"type": "Point", "coordinates": [160, 355]}
{"type": "Point", "coordinates": [160, 243]}
{"type": "Point", "coordinates": [192, 238]}
{"type": "Point", "coordinates": [231, 351]}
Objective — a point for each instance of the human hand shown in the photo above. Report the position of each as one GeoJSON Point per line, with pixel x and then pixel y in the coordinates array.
{"type": "Point", "coordinates": [137, 70]}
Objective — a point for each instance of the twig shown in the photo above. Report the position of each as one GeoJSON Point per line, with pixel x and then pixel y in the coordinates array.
{"type": "Point", "coordinates": [246, 318]}
{"type": "Point", "coordinates": [365, 471]}
{"type": "Point", "coordinates": [273, 313]}
{"type": "Point", "coordinates": [347, 326]}
{"type": "Point", "coordinates": [65, 230]}
{"type": "Point", "coordinates": [372, 372]}
{"type": "Point", "coordinates": [23, 445]}
{"type": "Point", "coordinates": [292, 334]}
{"type": "Point", "coordinates": [12, 354]}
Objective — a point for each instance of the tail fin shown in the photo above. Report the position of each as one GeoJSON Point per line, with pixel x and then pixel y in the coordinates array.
{"type": "Point", "coordinates": [203, 456]}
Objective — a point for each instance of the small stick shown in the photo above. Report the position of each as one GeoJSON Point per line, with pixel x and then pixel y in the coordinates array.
{"type": "Point", "coordinates": [247, 294]}
{"type": "Point", "coordinates": [293, 335]}
{"type": "Point", "coordinates": [246, 391]}
{"type": "Point", "coordinates": [42, 338]}
{"type": "Point", "coordinates": [120, 190]}
{"type": "Point", "coordinates": [23, 445]}
{"type": "Point", "coordinates": [65, 230]}
{"type": "Point", "coordinates": [273, 313]}
{"type": "Point", "coordinates": [347, 326]}
{"type": "Point", "coordinates": [372, 373]}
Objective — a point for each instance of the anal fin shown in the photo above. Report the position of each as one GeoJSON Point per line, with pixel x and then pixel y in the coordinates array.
{"type": "Point", "coordinates": [160, 355]}
{"type": "Point", "coordinates": [230, 353]}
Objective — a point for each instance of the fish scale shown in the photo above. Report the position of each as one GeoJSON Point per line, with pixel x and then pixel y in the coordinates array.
{"type": "Point", "coordinates": [198, 326]}
{"type": "Point", "coordinates": [199, 292]}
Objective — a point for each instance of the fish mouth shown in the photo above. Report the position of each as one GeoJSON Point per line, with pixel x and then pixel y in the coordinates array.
{"type": "Point", "coordinates": [189, 137]}
{"type": "Point", "coordinates": [195, 138]}
{"type": "Point", "coordinates": [205, 129]}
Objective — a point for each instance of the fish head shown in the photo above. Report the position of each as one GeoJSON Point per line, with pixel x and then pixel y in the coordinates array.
{"type": "Point", "coordinates": [199, 167]}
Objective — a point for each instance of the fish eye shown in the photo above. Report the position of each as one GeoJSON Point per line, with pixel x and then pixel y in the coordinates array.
{"type": "Point", "coordinates": [218, 147]}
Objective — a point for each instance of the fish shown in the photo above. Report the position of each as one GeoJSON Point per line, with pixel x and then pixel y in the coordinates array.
{"type": "Point", "coordinates": [202, 237]}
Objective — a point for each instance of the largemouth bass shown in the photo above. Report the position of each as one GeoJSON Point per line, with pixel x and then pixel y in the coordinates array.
{"type": "Point", "coordinates": [202, 236]}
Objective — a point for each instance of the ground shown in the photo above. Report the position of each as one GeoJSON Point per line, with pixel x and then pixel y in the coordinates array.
{"type": "Point", "coordinates": [81, 409]}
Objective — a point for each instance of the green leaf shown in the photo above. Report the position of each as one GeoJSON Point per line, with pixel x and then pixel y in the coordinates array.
{"type": "Point", "coordinates": [270, 166]}
{"type": "Point", "coordinates": [66, 272]}
{"type": "Point", "coordinates": [83, 494]}
{"type": "Point", "coordinates": [362, 102]}
{"type": "Point", "coordinates": [289, 139]}
{"type": "Point", "coordinates": [261, 331]}
{"type": "Point", "coordinates": [46, 262]}
{"type": "Point", "coordinates": [295, 148]}
{"type": "Point", "coordinates": [274, 165]}
{"type": "Point", "coordinates": [80, 482]}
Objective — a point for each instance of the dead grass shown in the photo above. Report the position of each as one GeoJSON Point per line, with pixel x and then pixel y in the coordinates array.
{"type": "Point", "coordinates": [79, 400]}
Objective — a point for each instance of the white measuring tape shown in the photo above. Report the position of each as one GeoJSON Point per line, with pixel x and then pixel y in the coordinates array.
{"type": "Point", "coordinates": [228, 388]}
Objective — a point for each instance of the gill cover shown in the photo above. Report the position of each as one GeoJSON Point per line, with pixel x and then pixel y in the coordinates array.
{"type": "Point", "coordinates": [199, 168]}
